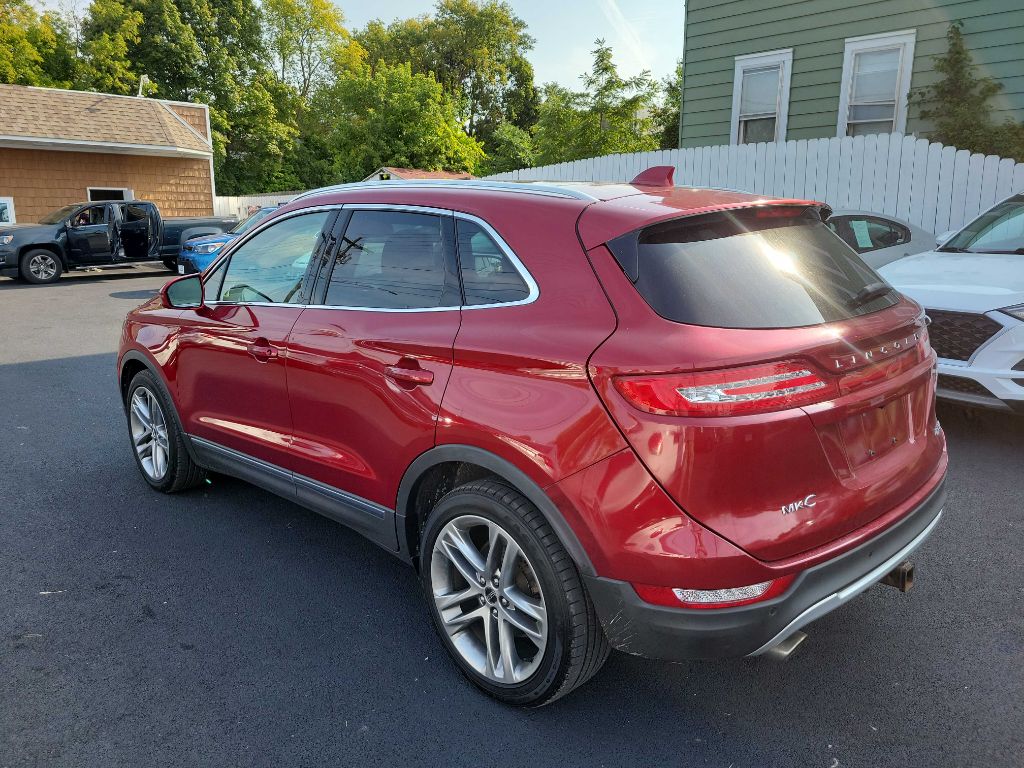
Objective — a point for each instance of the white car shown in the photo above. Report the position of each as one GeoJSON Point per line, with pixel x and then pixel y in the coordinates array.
{"type": "Point", "coordinates": [879, 239]}
{"type": "Point", "coordinates": [972, 288]}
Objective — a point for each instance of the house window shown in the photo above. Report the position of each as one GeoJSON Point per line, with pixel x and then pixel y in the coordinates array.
{"type": "Point", "coordinates": [99, 194]}
{"type": "Point", "coordinates": [876, 83]}
{"type": "Point", "coordinates": [760, 97]}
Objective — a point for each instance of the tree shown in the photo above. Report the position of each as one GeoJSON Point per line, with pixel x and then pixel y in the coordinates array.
{"type": "Point", "coordinates": [305, 37]}
{"type": "Point", "coordinates": [509, 148]}
{"type": "Point", "coordinates": [666, 117]}
{"type": "Point", "coordinates": [958, 104]}
{"type": "Point", "coordinates": [388, 115]}
{"type": "Point", "coordinates": [475, 50]}
{"type": "Point", "coordinates": [611, 115]}
{"type": "Point", "coordinates": [34, 49]}
{"type": "Point", "coordinates": [109, 32]}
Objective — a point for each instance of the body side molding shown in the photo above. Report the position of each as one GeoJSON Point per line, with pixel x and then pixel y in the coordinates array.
{"type": "Point", "coordinates": [371, 520]}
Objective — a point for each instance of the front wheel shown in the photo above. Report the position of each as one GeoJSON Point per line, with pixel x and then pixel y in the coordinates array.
{"type": "Point", "coordinates": [506, 598]}
{"type": "Point", "coordinates": [157, 441]}
{"type": "Point", "coordinates": [41, 266]}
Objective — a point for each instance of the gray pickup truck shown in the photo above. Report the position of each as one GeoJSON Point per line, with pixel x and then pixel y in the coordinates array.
{"type": "Point", "coordinates": [86, 235]}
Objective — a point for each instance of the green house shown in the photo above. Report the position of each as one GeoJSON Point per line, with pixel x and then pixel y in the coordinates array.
{"type": "Point", "coordinates": [806, 69]}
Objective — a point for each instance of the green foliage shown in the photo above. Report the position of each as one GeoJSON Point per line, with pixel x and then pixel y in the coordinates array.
{"type": "Point", "coordinates": [34, 49]}
{"type": "Point", "coordinates": [958, 105]}
{"type": "Point", "coordinates": [666, 117]}
{"type": "Point", "coordinates": [305, 37]}
{"type": "Point", "coordinates": [389, 115]}
{"type": "Point", "coordinates": [510, 148]}
{"type": "Point", "coordinates": [475, 50]}
{"type": "Point", "coordinates": [611, 115]}
{"type": "Point", "coordinates": [110, 32]}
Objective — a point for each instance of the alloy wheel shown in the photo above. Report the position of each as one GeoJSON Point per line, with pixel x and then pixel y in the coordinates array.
{"type": "Point", "coordinates": [42, 266]}
{"type": "Point", "coordinates": [149, 433]}
{"type": "Point", "coordinates": [489, 599]}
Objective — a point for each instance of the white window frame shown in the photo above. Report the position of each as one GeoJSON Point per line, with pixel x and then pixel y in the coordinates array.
{"type": "Point", "coordinates": [8, 203]}
{"type": "Point", "coordinates": [784, 59]}
{"type": "Point", "coordinates": [904, 40]}
{"type": "Point", "coordinates": [128, 194]}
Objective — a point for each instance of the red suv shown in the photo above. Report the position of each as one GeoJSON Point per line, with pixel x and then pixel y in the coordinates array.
{"type": "Point", "coordinates": [678, 422]}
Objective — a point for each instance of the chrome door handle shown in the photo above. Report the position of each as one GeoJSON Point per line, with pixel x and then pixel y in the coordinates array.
{"type": "Point", "coordinates": [414, 376]}
{"type": "Point", "coordinates": [262, 351]}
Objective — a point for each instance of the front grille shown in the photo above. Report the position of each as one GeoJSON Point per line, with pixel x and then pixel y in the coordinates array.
{"type": "Point", "coordinates": [957, 335]}
{"type": "Point", "coordinates": [962, 385]}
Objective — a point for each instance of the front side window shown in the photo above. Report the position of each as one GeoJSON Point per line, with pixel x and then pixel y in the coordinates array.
{"type": "Point", "coordinates": [761, 97]}
{"type": "Point", "coordinates": [998, 230]}
{"type": "Point", "coordinates": [488, 275]}
{"type": "Point", "coordinates": [90, 217]}
{"type": "Point", "coordinates": [876, 81]}
{"type": "Point", "coordinates": [391, 260]}
{"type": "Point", "coordinates": [269, 268]}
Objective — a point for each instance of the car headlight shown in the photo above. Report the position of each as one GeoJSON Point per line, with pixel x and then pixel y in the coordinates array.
{"type": "Point", "coordinates": [208, 247]}
{"type": "Point", "coordinates": [1017, 311]}
{"type": "Point", "coordinates": [5, 239]}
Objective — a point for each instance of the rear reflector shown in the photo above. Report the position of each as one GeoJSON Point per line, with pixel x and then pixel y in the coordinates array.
{"type": "Point", "coordinates": [679, 597]}
{"type": "Point", "coordinates": [728, 392]}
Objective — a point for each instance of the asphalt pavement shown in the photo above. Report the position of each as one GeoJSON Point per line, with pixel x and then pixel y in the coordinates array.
{"type": "Point", "coordinates": [226, 627]}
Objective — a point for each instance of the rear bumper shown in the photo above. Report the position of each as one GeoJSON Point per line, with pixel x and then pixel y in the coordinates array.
{"type": "Point", "coordinates": [640, 628]}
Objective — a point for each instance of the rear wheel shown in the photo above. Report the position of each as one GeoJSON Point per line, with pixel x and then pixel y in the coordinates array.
{"type": "Point", "coordinates": [157, 442]}
{"type": "Point", "coordinates": [41, 266]}
{"type": "Point", "coordinates": [506, 597]}
{"type": "Point", "coordinates": [171, 264]}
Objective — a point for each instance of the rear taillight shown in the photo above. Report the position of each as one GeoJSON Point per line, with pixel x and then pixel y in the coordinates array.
{"type": "Point", "coordinates": [729, 392]}
{"type": "Point", "coordinates": [730, 597]}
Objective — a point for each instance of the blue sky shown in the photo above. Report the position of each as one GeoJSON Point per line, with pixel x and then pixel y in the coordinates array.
{"type": "Point", "coordinates": [644, 34]}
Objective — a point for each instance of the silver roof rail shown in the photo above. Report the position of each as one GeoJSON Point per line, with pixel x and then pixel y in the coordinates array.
{"type": "Point", "coordinates": [522, 187]}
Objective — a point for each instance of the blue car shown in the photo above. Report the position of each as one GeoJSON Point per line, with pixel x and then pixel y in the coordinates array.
{"type": "Point", "coordinates": [199, 252]}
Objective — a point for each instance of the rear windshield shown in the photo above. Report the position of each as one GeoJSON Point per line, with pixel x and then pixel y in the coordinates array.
{"type": "Point", "coordinates": [757, 268]}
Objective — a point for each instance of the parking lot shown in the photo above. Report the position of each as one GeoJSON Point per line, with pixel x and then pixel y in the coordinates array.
{"type": "Point", "coordinates": [225, 626]}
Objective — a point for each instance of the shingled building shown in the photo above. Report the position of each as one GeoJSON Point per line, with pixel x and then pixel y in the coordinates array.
{"type": "Point", "coordinates": [59, 147]}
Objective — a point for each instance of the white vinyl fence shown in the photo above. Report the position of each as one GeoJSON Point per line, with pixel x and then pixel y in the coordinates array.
{"type": "Point", "coordinates": [238, 206]}
{"type": "Point", "coordinates": [935, 187]}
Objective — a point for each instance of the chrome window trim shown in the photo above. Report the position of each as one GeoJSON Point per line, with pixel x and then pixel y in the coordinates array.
{"type": "Point", "coordinates": [520, 187]}
{"type": "Point", "coordinates": [230, 248]}
{"type": "Point", "coordinates": [524, 273]}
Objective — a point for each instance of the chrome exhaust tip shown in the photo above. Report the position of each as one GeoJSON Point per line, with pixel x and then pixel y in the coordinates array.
{"type": "Point", "coordinates": [782, 650]}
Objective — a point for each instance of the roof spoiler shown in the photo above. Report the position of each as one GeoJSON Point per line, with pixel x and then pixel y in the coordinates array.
{"type": "Point", "coordinates": [658, 176]}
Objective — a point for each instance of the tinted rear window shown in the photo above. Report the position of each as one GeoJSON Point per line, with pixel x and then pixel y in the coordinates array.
{"type": "Point", "coordinates": [759, 268]}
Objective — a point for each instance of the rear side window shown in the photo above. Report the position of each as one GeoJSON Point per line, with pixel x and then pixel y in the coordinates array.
{"type": "Point", "coordinates": [758, 268]}
{"type": "Point", "coordinates": [488, 275]}
{"type": "Point", "coordinates": [868, 233]}
{"type": "Point", "coordinates": [390, 260]}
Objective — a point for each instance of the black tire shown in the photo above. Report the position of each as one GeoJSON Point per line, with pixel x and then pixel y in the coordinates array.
{"type": "Point", "coordinates": [576, 646]}
{"type": "Point", "coordinates": [171, 264]}
{"type": "Point", "coordinates": [181, 473]}
{"type": "Point", "coordinates": [40, 266]}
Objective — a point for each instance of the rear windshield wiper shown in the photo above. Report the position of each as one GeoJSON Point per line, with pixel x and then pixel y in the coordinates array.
{"type": "Point", "coordinates": [870, 292]}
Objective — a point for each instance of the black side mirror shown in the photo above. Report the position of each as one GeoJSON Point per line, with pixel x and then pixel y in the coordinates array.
{"type": "Point", "coordinates": [183, 293]}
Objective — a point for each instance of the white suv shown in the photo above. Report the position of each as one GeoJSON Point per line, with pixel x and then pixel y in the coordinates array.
{"type": "Point", "coordinates": [972, 288]}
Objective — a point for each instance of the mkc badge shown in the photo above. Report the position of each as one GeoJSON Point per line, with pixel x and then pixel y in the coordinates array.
{"type": "Point", "coordinates": [805, 503]}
